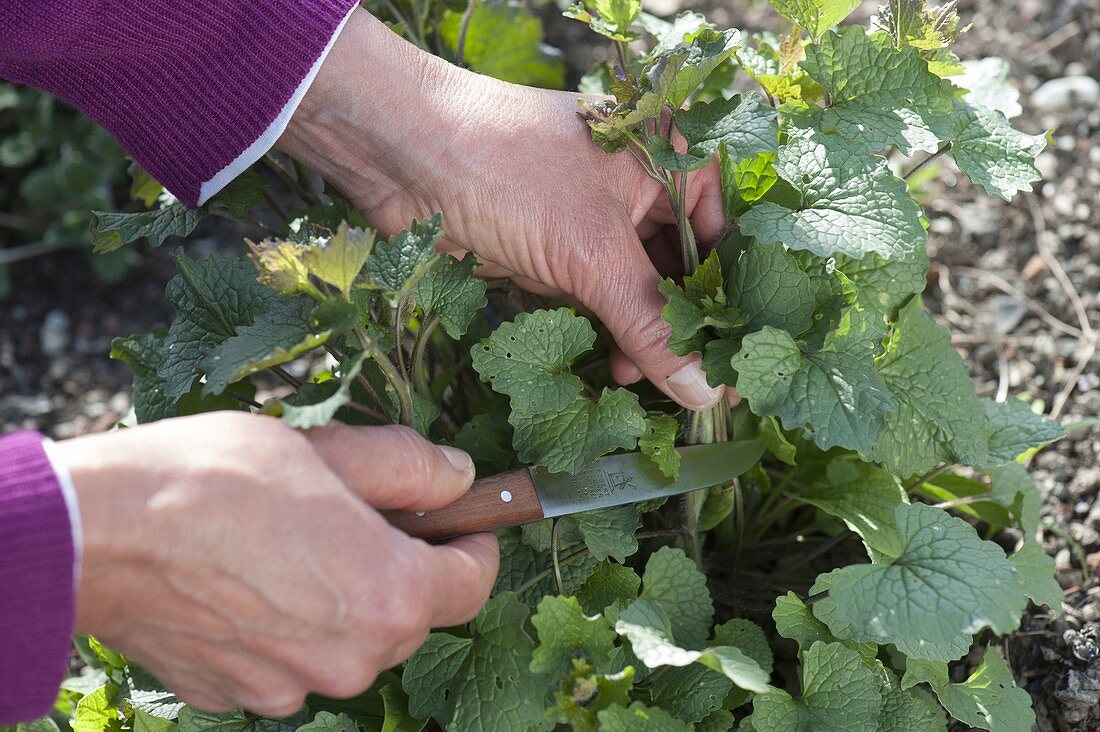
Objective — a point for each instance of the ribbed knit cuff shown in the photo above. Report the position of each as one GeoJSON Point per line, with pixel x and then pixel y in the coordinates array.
{"type": "Point", "coordinates": [37, 602]}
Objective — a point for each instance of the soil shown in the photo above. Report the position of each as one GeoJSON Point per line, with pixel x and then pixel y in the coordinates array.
{"type": "Point", "coordinates": [1019, 284]}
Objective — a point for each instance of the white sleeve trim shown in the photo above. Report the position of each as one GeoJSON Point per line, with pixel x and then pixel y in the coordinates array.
{"type": "Point", "coordinates": [72, 504]}
{"type": "Point", "coordinates": [271, 135]}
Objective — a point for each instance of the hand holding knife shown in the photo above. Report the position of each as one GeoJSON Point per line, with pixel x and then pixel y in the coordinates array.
{"type": "Point", "coordinates": [530, 494]}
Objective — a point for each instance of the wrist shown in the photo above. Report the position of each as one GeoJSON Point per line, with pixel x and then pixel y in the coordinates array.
{"type": "Point", "coordinates": [110, 502]}
{"type": "Point", "coordinates": [381, 116]}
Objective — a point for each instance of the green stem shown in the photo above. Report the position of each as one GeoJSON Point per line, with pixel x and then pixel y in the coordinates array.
{"type": "Point", "coordinates": [289, 180]}
{"type": "Point", "coordinates": [301, 173]}
{"type": "Point", "coordinates": [964, 501]}
{"type": "Point", "coordinates": [393, 376]}
{"type": "Point", "coordinates": [419, 369]}
{"type": "Point", "coordinates": [243, 399]}
{"type": "Point", "coordinates": [399, 333]}
{"type": "Point", "coordinates": [921, 165]}
{"type": "Point", "coordinates": [362, 379]}
{"type": "Point", "coordinates": [688, 246]}
{"type": "Point", "coordinates": [460, 46]}
{"type": "Point", "coordinates": [622, 52]}
{"type": "Point", "coordinates": [568, 559]}
{"type": "Point", "coordinates": [267, 230]}
{"type": "Point", "coordinates": [285, 376]}
{"type": "Point", "coordinates": [275, 206]}
{"type": "Point", "coordinates": [398, 16]}
{"type": "Point", "coordinates": [693, 502]}
{"type": "Point", "coordinates": [938, 470]}
{"type": "Point", "coordinates": [554, 556]}
{"type": "Point", "coordinates": [373, 413]}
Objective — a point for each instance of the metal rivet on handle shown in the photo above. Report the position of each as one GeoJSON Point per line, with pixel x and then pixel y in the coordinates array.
{"type": "Point", "coordinates": [506, 496]}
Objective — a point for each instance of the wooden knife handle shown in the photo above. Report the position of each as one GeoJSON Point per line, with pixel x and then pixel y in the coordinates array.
{"type": "Point", "coordinates": [507, 499]}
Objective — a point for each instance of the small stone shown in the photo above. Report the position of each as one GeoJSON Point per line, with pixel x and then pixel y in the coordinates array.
{"type": "Point", "coordinates": [664, 8]}
{"type": "Point", "coordinates": [1066, 94]}
{"type": "Point", "coordinates": [1062, 559]}
{"type": "Point", "coordinates": [53, 337]}
{"type": "Point", "coordinates": [119, 403]}
{"type": "Point", "coordinates": [1007, 313]}
{"type": "Point", "coordinates": [980, 221]}
{"type": "Point", "coordinates": [1047, 163]}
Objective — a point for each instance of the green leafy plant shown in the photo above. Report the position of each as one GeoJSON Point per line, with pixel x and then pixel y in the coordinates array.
{"type": "Point", "coordinates": [55, 167]}
{"type": "Point", "coordinates": [862, 556]}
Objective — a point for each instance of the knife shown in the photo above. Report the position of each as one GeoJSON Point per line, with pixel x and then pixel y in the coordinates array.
{"type": "Point", "coordinates": [529, 494]}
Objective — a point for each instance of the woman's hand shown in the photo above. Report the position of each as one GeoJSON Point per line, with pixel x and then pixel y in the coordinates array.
{"type": "Point", "coordinates": [519, 182]}
{"type": "Point", "coordinates": [244, 564]}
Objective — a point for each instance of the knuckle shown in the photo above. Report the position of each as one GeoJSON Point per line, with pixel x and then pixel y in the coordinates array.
{"type": "Point", "coordinates": [345, 678]}
{"type": "Point", "coordinates": [278, 706]}
{"type": "Point", "coordinates": [403, 651]}
{"type": "Point", "coordinates": [419, 458]}
{"type": "Point", "coordinates": [408, 614]}
{"type": "Point", "coordinates": [594, 253]}
{"type": "Point", "coordinates": [646, 334]}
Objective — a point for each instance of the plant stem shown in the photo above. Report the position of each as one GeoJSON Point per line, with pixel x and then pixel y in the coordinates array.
{"type": "Point", "coordinates": [554, 556]}
{"type": "Point", "coordinates": [963, 501]}
{"type": "Point", "coordinates": [621, 52]}
{"type": "Point", "coordinates": [816, 598]}
{"type": "Point", "coordinates": [419, 369]}
{"type": "Point", "coordinates": [275, 206]}
{"type": "Point", "coordinates": [921, 165]}
{"type": "Point", "coordinates": [20, 223]}
{"type": "Point", "coordinates": [658, 533]}
{"type": "Point", "coordinates": [369, 412]}
{"type": "Point", "coordinates": [399, 333]}
{"type": "Point", "coordinates": [395, 379]}
{"type": "Point", "coordinates": [301, 173]}
{"type": "Point", "coordinates": [285, 376]}
{"type": "Point", "coordinates": [286, 178]}
{"type": "Point", "coordinates": [703, 433]}
{"type": "Point", "coordinates": [938, 470]}
{"type": "Point", "coordinates": [568, 559]}
{"type": "Point", "coordinates": [267, 230]}
{"type": "Point", "coordinates": [398, 383]}
{"type": "Point", "coordinates": [29, 251]}
{"type": "Point", "coordinates": [704, 425]}
{"type": "Point", "coordinates": [243, 399]}
{"type": "Point", "coordinates": [688, 246]}
{"type": "Point", "coordinates": [460, 46]}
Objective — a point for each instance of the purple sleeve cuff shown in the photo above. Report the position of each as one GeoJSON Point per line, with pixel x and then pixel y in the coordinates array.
{"type": "Point", "coordinates": [37, 597]}
{"type": "Point", "coordinates": [185, 87]}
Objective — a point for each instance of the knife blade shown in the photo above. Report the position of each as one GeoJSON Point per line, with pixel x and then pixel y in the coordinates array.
{"type": "Point", "coordinates": [529, 494]}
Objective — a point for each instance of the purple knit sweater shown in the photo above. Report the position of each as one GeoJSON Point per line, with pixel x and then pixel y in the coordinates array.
{"type": "Point", "coordinates": [186, 87]}
{"type": "Point", "coordinates": [36, 579]}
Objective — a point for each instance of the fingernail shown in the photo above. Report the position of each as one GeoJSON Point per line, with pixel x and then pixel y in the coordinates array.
{"type": "Point", "coordinates": [459, 459]}
{"type": "Point", "coordinates": [689, 386]}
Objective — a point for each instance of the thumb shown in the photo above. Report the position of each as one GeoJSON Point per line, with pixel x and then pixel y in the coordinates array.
{"type": "Point", "coordinates": [393, 467]}
{"type": "Point", "coordinates": [618, 283]}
